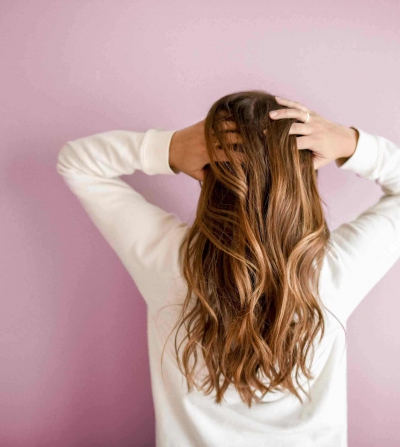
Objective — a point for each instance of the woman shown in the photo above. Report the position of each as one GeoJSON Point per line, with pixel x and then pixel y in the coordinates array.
{"type": "Point", "coordinates": [257, 292]}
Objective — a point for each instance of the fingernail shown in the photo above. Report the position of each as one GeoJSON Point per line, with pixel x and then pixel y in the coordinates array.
{"type": "Point", "coordinates": [273, 113]}
{"type": "Point", "coordinates": [278, 97]}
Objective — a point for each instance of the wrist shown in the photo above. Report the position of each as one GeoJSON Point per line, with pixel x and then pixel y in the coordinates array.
{"type": "Point", "coordinates": [352, 142]}
{"type": "Point", "coordinates": [172, 152]}
{"type": "Point", "coordinates": [350, 145]}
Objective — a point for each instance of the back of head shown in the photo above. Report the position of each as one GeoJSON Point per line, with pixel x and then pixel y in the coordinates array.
{"type": "Point", "coordinates": [253, 255]}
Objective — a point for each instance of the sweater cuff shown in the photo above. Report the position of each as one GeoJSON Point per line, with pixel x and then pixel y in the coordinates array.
{"type": "Point", "coordinates": [155, 152]}
{"type": "Point", "coordinates": [365, 157]}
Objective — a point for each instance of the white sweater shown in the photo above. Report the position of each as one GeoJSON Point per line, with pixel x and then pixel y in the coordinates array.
{"type": "Point", "coordinates": [146, 240]}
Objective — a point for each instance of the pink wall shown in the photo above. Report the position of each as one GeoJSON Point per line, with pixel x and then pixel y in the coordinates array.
{"type": "Point", "coordinates": [73, 344]}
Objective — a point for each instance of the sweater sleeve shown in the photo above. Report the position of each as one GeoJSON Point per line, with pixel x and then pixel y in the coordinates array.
{"type": "Point", "coordinates": [144, 237]}
{"type": "Point", "coordinates": [363, 250]}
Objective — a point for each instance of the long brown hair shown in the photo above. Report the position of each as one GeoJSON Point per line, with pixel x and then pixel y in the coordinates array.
{"type": "Point", "coordinates": [252, 257]}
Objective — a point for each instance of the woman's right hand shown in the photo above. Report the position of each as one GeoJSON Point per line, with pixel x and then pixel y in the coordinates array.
{"type": "Point", "coordinates": [327, 140]}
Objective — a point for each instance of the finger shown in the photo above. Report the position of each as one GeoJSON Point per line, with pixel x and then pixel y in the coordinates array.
{"type": "Point", "coordinates": [301, 115]}
{"type": "Point", "coordinates": [228, 125]}
{"type": "Point", "coordinates": [318, 164]}
{"type": "Point", "coordinates": [233, 139]}
{"type": "Point", "coordinates": [231, 131]}
{"type": "Point", "coordinates": [289, 103]}
{"type": "Point", "coordinates": [304, 143]}
{"type": "Point", "coordinates": [300, 129]}
{"type": "Point", "coordinates": [221, 155]}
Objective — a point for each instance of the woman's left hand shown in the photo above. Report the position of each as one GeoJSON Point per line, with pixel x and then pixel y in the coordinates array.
{"type": "Point", "coordinates": [188, 151]}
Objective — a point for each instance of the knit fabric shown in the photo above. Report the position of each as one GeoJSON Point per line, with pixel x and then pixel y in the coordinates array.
{"type": "Point", "coordinates": [146, 239]}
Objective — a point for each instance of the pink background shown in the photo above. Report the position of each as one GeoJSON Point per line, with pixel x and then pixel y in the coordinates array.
{"type": "Point", "coordinates": [73, 345]}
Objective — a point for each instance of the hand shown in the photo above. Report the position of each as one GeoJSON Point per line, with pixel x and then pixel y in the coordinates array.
{"type": "Point", "coordinates": [327, 140]}
{"type": "Point", "coordinates": [188, 151]}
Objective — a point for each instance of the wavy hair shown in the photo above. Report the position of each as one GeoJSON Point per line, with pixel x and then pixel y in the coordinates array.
{"type": "Point", "coordinates": [252, 257]}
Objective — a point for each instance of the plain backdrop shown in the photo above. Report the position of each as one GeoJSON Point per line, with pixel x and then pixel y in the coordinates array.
{"type": "Point", "coordinates": [74, 365]}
